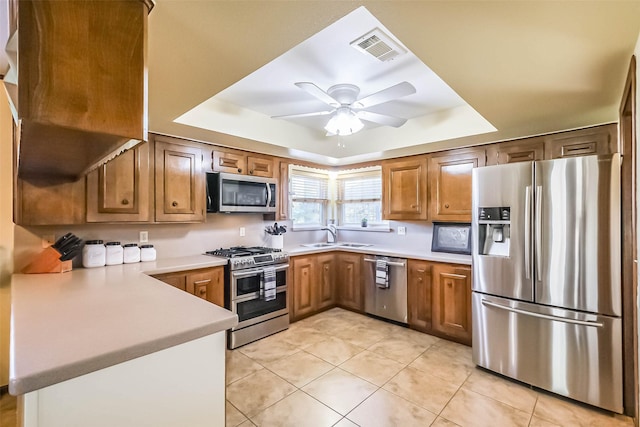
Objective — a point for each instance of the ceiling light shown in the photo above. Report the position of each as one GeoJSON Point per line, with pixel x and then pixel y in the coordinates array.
{"type": "Point", "coordinates": [344, 122]}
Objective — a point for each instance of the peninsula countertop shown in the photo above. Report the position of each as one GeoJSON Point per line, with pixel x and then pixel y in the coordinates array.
{"type": "Point", "coordinates": [70, 324]}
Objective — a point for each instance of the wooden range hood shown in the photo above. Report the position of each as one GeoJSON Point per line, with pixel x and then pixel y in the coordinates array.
{"type": "Point", "coordinates": [77, 83]}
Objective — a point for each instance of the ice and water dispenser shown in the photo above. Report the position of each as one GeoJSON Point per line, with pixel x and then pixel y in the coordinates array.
{"type": "Point", "coordinates": [494, 231]}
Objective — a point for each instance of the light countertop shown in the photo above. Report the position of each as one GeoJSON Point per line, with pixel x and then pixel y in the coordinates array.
{"type": "Point", "coordinates": [295, 250]}
{"type": "Point", "coordinates": [70, 324]}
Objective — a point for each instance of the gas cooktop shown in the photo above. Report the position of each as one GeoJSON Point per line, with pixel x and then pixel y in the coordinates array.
{"type": "Point", "coordinates": [241, 257]}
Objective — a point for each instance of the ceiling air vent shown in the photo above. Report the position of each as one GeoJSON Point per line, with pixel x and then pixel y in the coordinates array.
{"type": "Point", "coordinates": [379, 45]}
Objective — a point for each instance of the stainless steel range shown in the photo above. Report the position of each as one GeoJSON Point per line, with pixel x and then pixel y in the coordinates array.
{"type": "Point", "coordinates": [255, 288]}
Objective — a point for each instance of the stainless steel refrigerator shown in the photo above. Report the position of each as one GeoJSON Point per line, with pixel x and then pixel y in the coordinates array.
{"type": "Point", "coordinates": [546, 275]}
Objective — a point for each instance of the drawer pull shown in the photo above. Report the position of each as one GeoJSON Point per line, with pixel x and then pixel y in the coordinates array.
{"type": "Point", "coordinates": [174, 204]}
{"type": "Point", "coordinates": [202, 282]}
{"type": "Point", "coordinates": [125, 202]}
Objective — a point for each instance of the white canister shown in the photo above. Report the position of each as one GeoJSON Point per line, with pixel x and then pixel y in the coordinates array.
{"type": "Point", "coordinates": [93, 254]}
{"type": "Point", "coordinates": [115, 253]}
{"type": "Point", "coordinates": [131, 253]}
{"type": "Point", "coordinates": [147, 253]}
{"type": "Point", "coordinates": [277, 241]}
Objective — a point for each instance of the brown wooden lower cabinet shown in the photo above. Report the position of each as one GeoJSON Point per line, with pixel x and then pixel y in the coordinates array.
{"type": "Point", "coordinates": [350, 285]}
{"type": "Point", "coordinates": [205, 283]}
{"type": "Point", "coordinates": [439, 299]}
{"type": "Point", "coordinates": [313, 284]}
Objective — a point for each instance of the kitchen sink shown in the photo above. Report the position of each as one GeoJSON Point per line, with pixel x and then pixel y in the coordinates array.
{"type": "Point", "coordinates": [318, 245]}
{"type": "Point", "coordinates": [354, 245]}
{"type": "Point", "coordinates": [342, 244]}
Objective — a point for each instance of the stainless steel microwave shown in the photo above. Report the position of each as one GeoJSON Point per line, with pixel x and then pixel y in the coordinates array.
{"type": "Point", "coordinates": [228, 192]}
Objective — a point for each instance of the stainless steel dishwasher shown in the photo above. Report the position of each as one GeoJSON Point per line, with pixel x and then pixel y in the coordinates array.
{"type": "Point", "coordinates": [390, 301]}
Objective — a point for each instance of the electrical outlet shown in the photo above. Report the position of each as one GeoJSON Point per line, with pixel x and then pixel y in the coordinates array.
{"type": "Point", "coordinates": [144, 236]}
{"type": "Point", "coordinates": [402, 231]}
{"type": "Point", "coordinates": [242, 231]}
{"type": "Point", "coordinates": [48, 240]}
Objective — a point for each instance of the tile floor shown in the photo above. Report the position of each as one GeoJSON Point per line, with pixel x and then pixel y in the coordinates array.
{"type": "Point", "coordinates": [340, 368]}
{"type": "Point", "coordinates": [343, 369]}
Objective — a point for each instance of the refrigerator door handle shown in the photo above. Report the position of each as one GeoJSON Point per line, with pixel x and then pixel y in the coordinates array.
{"type": "Point", "coordinates": [542, 316]}
{"type": "Point", "coordinates": [527, 232]}
{"type": "Point", "coordinates": [538, 242]}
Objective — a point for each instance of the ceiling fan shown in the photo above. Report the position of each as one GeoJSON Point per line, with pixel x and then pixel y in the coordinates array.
{"type": "Point", "coordinates": [348, 109]}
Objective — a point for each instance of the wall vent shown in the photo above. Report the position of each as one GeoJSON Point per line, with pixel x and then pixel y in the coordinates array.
{"type": "Point", "coordinates": [379, 45]}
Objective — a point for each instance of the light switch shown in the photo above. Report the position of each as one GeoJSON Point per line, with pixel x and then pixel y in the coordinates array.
{"type": "Point", "coordinates": [402, 231]}
{"type": "Point", "coordinates": [242, 232]}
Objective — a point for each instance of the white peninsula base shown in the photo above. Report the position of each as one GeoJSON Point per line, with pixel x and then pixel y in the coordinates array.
{"type": "Point", "coordinates": [182, 385]}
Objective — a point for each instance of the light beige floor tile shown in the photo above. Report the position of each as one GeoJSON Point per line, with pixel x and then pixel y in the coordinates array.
{"type": "Point", "coordinates": [398, 349]}
{"type": "Point", "coordinates": [442, 365]}
{"type": "Point", "coordinates": [567, 413]}
{"type": "Point", "coordinates": [340, 390]}
{"type": "Point", "coordinates": [468, 408]}
{"type": "Point", "coordinates": [330, 325]}
{"type": "Point", "coordinates": [345, 422]}
{"type": "Point", "coordinates": [501, 389]}
{"type": "Point", "coordinates": [420, 338]}
{"type": "Point", "coordinates": [386, 409]}
{"type": "Point", "coordinates": [247, 423]}
{"type": "Point", "coordinates": [297, 409]}
{"type": "Point", "coordinates": [361, 335]}
{"type": "Point", "coordinates": [460, 352]}
{"type": "Point", "coordinates": [372, 367]}
{"type": "Point", "coordinates": [300, 368]}
{"type": "Point", "coordinates": [334, 350]}
{"type": "Point", "coordinates": [239, 366]}
{"type": "Point", "coordinates": [268, 349]}
{"type": "Point", "coordinates": [258, 391]}
{"type": "Point", "coordinates": [442, 422]}
{"type": "Point", "coordinates": [380, 326]}
{"type": "Point", "coordinates": [303, 337]}
{"type": "Point", "coordinates": [233, 417]}
{"type": "Point", "coordinates": [423, 389]}
{"type": "Point", "coordinates": [539, 422]}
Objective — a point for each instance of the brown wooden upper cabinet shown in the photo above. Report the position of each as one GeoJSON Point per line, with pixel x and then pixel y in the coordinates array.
{"type": "Point", "coordinates": [179, 181]}
{"type": "Point", "coordinates": [522, 150]}
{"type": "Point", "coordinates": [282, 206]}
{"type": "Point", "coordinates": [404, 189]}
{"type": "Point", "coordinates": [240, 162]}
{"type": "Point", "coordinates": [450, 183]}
{"type": "Point", "coordinates": [583, 142]}
{"type": "Point", "coordinates": [119, 190]}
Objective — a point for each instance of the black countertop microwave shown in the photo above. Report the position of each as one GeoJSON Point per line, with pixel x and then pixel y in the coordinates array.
{"type": "Point", "coordinates": [228, 192]}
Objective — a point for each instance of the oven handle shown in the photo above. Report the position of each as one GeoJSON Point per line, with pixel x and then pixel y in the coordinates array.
{"type": "Point", "coordinates": [254, 271]}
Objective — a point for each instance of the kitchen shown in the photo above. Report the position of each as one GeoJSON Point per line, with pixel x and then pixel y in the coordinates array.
{"type": "Point", "coordinates": [222, 229]}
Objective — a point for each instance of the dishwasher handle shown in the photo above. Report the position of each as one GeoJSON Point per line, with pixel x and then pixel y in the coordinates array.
{"type": "Point", "coordinates": [392, 263]}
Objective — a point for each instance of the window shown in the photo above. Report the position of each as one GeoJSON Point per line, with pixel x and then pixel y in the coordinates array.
{"type": "Point", "coordinates": [360, 196]}
{"type": "Point", "coordinates": [309, 192]}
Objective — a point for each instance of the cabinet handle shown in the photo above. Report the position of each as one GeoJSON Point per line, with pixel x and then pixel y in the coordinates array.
{"type": "Point", "coordinates": [174, 204]}
{"type": "Point", "coordinates": [419, 279]}
{"type": "Point", "coordinates": [446, 206]}
{"type": "Point", "coordinates": [414, 206]}
{"type": "Point", "coordinates": [125, 202]}
{"type": "Point", "coordinates": [239, 170]}
{"type": "Point", "coordinates": [251, 172]}
{"type": "Point", "coordinates": [326, 267]}
{"type": "Point", "coordinates": [201, 282]}
{"type": "Point", "coordinates": [202, 292]}
{"type": "Point", "coordinates": [421, 271]}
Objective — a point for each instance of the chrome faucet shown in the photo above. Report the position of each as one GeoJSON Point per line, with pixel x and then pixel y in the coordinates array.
{"type": "Point", "coordinates": [332, 236]}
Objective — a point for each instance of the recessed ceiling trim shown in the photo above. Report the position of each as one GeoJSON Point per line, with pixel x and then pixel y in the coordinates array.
{"type": "Point", "coordinates": [379, 45]}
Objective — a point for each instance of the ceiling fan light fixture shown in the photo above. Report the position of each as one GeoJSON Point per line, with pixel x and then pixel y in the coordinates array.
{"type": "Point", "coordinates": [344, 122]}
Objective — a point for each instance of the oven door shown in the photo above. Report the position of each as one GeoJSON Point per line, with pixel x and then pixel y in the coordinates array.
{"type": "Point", "coordinates": [255, 310]}
{"type": "Point", "coordinates": [247, 283]}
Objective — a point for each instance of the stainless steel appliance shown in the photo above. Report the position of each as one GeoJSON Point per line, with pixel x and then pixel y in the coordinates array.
{"type": "Point", "coordinates": [386, 298]}
{"type": "Point", "coordinates": [259, 315]}
{"type": "Point", "coordinates": [546, 275]}
{"type": "Point", "coordinates": [228, 192]}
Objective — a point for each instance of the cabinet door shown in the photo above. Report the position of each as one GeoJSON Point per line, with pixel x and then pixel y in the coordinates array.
{"type": "Point", "coordinates": [304, 281]}
{"type": "Point", "coordinates": [119, 189]}
{"type": "Point", "coordinates": [524, 150]}
{"type": "Point", "coordinates": [179, 182]}
{"type": "Point", "coordinates": [583, 142]}
{"type": "Point", "coordinates": [404, 189]}
{"type": "Point", "coordinates": [452, 301]}
{"type": "Point", "coordinates": [283, 192]}
{"type": "Point", "coordinates": [326, 280]}
{"type": "Point", "coordinates": [419, 294]}
{"type": "Point", "coordinates": [350, 280]}
{"type": "Point", "coordinates": [260, 166]}
{"type": "Point", "coordinates": [224, 161]}
{"type": "Point", "coordinates": [207, 284]}
{"type": "Point", "coordinates": [450, 184]}
{"type": "Point", "coordinates": [178, 280]}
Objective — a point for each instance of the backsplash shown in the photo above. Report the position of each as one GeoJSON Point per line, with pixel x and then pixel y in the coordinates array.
{"type": "Point", "coordinates": [220, 230]}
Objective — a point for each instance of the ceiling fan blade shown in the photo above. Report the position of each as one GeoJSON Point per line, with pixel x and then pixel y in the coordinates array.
{"type": "Point", "coordinates": [318, 93]}
{"type": "Point", "coordinates": [386, 95]}
{"type": "Point", "coordinates": [382, 119]}
{"type": "Point", "coordinates": [292, 116]}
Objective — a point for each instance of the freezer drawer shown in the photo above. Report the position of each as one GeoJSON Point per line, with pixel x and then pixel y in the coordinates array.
{"type": "Point", "coordinates": [573, 354]}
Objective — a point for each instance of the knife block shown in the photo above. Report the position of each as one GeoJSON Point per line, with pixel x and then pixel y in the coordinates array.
{"type": "Point", "coordinates": [48, 261]}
